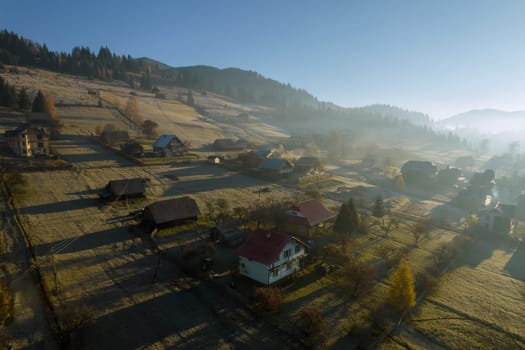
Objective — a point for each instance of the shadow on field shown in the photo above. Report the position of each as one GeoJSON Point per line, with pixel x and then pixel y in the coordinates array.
{"type": "Point", "coordinates": [86, 241]}
{"type": "Point", "coordinates": [74, 204]}
{"type": "Point", "coordinates": [85, 192]}
{"type": "Point", "coordinates": [98, 153]}
{"type": "Point", "coordinates": [516, 265]}
{"type": "Point", "coordinates": [196, 170]}
{"type": "Point", "coordinates": [479, 251]}
{"type": "Point", "coordinates": [155, 320]}
{"type": "Point", "coordinates": [213, 183]}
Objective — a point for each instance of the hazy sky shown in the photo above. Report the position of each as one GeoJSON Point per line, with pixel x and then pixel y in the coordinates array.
{"type": "Point", "coordinates": [439, 57]}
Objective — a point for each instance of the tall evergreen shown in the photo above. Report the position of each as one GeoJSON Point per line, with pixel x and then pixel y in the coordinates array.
{"type": "Point", "coordinates": [354, 216]}
{"type": "Point", "coordinates": [38, 103]}
{"type": "Point", "coordinates": [24, 103]}
{"type": "Point", "coordinates": [342, 222]}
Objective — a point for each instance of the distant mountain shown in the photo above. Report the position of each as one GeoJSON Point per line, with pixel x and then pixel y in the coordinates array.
{"type": "Point", "coordinates": [487, 121]}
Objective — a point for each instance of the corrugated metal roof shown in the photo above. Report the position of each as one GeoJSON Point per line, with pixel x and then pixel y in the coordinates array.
{"type": "Point", "coordinates": [314, 212]}
{"type": "Point", "coordinates": [127, 187]}
{"type": "Point", "coordinates": [172, 210]}
{"type": "Point", "coordinates": [274, 163]}
{"type": "Point", "coordinates": [264, 246]}
{"type": "Point", "coordinates": [163, 140]}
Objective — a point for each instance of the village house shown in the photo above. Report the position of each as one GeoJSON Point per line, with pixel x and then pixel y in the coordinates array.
{"type": "Point", "coordinates": [269, 256]}
{"type": "Point", "coordinates": [307, 163]}
{"type": "Point", "coordinates": [419, 172]}
{"type": "Point", "coordinates": [252, 159]}
{"type": "Point", "coordinates": [215, 159]}
{"type": "Point", "coordinates": [114, 136]}
{"type": "Point", "coordinates": [307, 218]}
{"type": "Point", "coordinates": [124, 189]}
{"type": "Point", "coordinates": [27, 141]}
{"type": "Point", "coordinates": [449, 176]}
{"type": "Point", "coordinates": [230, 145]}
{"type": "Point", "coordinates": [275, 167]}
{"type": "Point", "coordinates": [499, 219]}
{"type": "Point", "coordinates": [169, 145]}
{"type": "Point", "coordinates": [132, 148]}
{"type": "Point", "coordinates": [171, 212]}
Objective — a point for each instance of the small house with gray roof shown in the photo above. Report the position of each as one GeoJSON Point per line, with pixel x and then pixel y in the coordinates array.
{"type": "Point", "coordinates": [169, 145]}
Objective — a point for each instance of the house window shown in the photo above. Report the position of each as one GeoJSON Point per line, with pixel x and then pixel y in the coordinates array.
{"type": "Point", "coordinates": [243, 265]}
{"type": "Point", "coordinates": [275, 273]}
{"type": "Point", "coordinates": [40, 145]}
{"type": "Point", "coordinates": [287, 253]}
{"type": "Point", "coordinates": [288, 267]}
{"type": "Point", "coordinates": [297, 249]}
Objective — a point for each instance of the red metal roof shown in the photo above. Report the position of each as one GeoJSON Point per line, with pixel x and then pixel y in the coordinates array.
{"type": "Point", "coordinates": [314, 212]}
{"type": "Point", "coordinates": [264, 246]}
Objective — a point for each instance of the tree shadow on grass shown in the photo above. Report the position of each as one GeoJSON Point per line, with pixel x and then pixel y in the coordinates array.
{"type": "Point", "coordinates": [85, 242]}
{"type": "Point", "coordinates": [57, 207]}
{"type": "Point", "coordinates": [516, 265]}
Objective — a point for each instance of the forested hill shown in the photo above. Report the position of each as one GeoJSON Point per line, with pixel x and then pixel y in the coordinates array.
{"type": "Point", "coordinates": [246, 86]}
{"type": "Point", "coordinates": [146, 73]}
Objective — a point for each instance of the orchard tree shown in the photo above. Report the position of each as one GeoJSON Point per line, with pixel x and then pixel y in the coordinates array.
{"type": "Point", "coordinates": [359, 275]}
{"type": "Point", "coordinates": [149, 128]}
{"type": "Point", "coordinates": [420, 229]}
{"type": "Point", "coordinates": [132, 110]}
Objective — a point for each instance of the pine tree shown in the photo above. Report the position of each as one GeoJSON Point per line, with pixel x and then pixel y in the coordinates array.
{"type": "Point", "coordinates": [355, 221]}
{"type": "Point", "coordinates": [342, 222]}
{"type": "Point", "coordinates": [402, 293]}
{"type": "Point", "coordinates": [24, 103]}
{"type": "Point", "coordinates": [38, 103]}
{"type": "Point", "coordinates": [379, 207]}
{"type": "Point", "coordinates": [190, 101]}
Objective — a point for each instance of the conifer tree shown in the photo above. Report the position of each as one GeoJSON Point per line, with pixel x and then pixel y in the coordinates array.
{"type": "Point", "coordinates": [379, 207]}
{"type": "Point", "coordinates": [23, 100]}
{"type": "Point", "coordinates": [402, 293]}
{"type": "Point", "coordinates": [342, 222]}
{"type": "Point", "coordinates": [38, 103]}
{"type": "Point", "coordinates": [190, 101]}
{"type": "Point", "coordinates": [355, 221]}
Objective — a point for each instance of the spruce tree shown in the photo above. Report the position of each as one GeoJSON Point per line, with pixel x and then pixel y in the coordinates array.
{"type": "Point", "coordinates": [355, 221]}
{"type": "Point", "coordinates": [24, 103]}
{"type": "Point", "coordinates": [38, 103]}
{"type": "Point", "coordinates": [342, 222]}
{"type": "Point", "coordinates": [190, 101]}
{"type": "Point", "coordinates": [379, 207]}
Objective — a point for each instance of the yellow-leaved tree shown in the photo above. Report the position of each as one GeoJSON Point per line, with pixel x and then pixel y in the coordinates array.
{"type": "Point", "coordinates": [402, 293]}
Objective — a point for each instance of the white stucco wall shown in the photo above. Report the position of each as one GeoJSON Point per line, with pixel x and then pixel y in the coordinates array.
{"type": "Point", "coordinates": [281, 268]}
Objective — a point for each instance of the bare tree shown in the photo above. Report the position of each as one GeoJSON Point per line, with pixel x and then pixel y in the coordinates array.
{"type": "Point", "coordinates": [420, 229]}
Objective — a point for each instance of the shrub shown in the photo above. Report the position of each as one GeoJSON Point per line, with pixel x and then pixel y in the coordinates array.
{"type": "Point", "coordinates": [268, 298]}
{"type": "Point", "coordinates": [311, 321]}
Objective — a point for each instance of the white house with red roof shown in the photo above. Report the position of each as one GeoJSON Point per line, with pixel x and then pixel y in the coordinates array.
{"type": "Point", "coordinates": [269, 256]}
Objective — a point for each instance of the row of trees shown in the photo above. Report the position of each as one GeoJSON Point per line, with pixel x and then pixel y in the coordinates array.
{"type": "Point", "coordinates": [21, 101]}
{"type": "Point", "coordinates": [105, 65]}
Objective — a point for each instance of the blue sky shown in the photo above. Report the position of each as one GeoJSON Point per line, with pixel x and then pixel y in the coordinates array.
{"type": "Point", "coordinates": [435, 56]}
